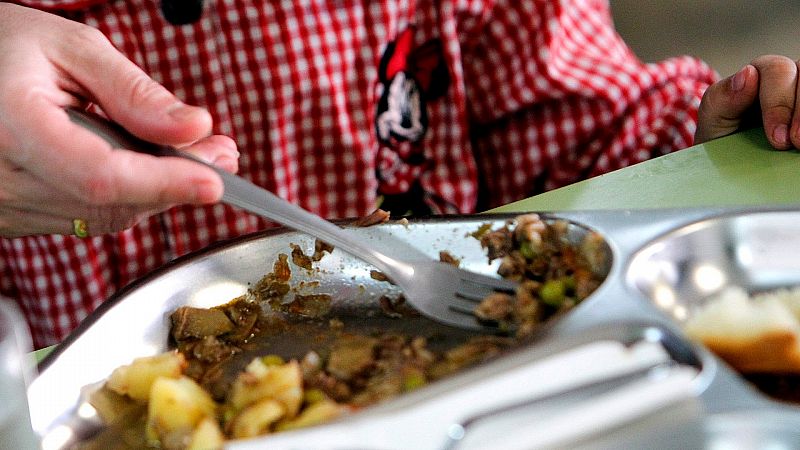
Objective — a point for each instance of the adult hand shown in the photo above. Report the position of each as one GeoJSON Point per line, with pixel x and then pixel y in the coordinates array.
{"type": "Point", "coordinates": [52, 170]}
{"type": "Point", "coordinates": [767, 87]}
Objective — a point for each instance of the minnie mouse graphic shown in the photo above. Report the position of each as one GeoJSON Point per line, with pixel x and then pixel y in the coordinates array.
{"type": "Point", "coordinates": [411, 76]}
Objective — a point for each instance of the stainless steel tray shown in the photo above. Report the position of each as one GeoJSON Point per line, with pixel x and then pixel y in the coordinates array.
{"type": "Point", "coordinates": [648, 248]}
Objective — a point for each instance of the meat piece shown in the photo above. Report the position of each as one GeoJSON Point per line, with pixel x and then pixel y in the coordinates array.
{"type": "Point", "coordinates": [495, 307]}
{"type": "Point", "coordinates": [374, 218]}
{"type": "Point", "coordinates": [210, 349]}
{"type": "Point", "coordinates": [378, 275]}
{"type": "Point", "coordinates": [314, 305]}
{"type": "Point", "coordinates": [530, 228]}
{"type": "Point", "coordinates": [448, 258]}
{"type": "Point", "coordinates": [475, 350]}
{"type": "Point", "coordinates": [336, 389]}
{"type": "Point", "coordinates": [189, 322]}
{"type": "Point", "coordinates": [513, 267]}
{"type": "Point", "coordinates": [244, 316]}
{"type": "Point", "coordinates": [351, 355]}
{"type": "Point", "coordinates": [397, 307]}
{"type": "Point", "coordinates": [320, 248]}
{"type": "Point", "coordinates": [299, 258]}
{"type": "Point", "coordinates": [275, 285]}
{"type": "Point", "coordinates": [498, 243]}
{"type": "Point", "coordinates": [281, 270]}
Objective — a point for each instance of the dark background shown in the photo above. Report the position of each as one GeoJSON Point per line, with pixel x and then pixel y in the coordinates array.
{"type": "Point", "coordinates": [725, 33]}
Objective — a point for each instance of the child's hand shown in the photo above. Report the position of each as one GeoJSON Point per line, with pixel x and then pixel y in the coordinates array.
{"type": "Point", "coordinates": [767, 87]}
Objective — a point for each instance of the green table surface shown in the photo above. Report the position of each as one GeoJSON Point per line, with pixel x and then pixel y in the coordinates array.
{"type": "Point", "coordinates": [737, 170]}
{"type": "Point", "coordinates": [39, 355]}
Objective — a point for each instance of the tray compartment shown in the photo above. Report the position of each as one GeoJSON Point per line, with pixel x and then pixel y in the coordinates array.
{"type": "Point", "coordinates": [755, 251]}
{"type": "Point", "coordinates": [135, 322]}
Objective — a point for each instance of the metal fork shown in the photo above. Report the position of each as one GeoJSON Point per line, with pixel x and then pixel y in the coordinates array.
{"type": "Point", "coordinates": [442, 292]}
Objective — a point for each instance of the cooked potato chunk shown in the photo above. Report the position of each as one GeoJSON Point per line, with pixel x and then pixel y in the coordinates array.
{"type": "Point", "coordinates": [206, 436]}
{"type": "Point", "coordinates": [136, 379]}
{"type": "Point", "coordinates": [316, 413]}
{"type": "Point", "coordinates": [282, 383]}
{"type": "Point", "coordinates": [177, 405]}
{"type": "Point", "coordinates": [257, 418]}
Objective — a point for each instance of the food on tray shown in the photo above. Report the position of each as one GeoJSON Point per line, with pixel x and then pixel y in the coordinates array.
{"type": "Point", "coordinates": [192, 392]}
{"type": "Point", "coordinates": [758, 333]}
{"type": "Point", "coordinates": [554, 273]}
{"type": "Point", "coordinates": [232, 381]}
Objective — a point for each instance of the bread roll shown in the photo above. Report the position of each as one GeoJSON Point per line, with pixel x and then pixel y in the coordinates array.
{"type": "Point", "coordinates": [753, 334]}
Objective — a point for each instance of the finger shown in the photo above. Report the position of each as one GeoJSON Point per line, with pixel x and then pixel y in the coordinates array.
{"type": "Point", "coordinates": [21, 222]}
{"type": "Point", "coordinates": [794, 128]}
{"type": "Point", "coordinates": [23, 192]}
{"type": "Point", "coordinates": [88, 168]}
{"type": "Point", "coordinates": [217, 150]}
{"type": "Point", "coordinates": [726, 103]}
{"type": "Point", "coordinates": [125, 92]}
{"type": "Point", "coordinates": [777, 92]}
{"type": "Point", "coordinates": [21, 189]}
{"type": "Point", "coordinates": [17, 223]}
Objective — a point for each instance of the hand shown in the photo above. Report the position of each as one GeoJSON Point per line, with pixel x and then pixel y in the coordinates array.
{"type": "Point", "coordinates": [53, 171]}
{"type": "Point", "coordinates": [767, 87]}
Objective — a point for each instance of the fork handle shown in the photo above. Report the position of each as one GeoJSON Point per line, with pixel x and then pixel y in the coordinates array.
{"type": "Point", "coordinates": [246, 195]}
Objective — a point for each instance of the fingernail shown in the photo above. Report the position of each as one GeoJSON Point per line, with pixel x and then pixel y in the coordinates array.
{"type": "Point", "coordinates": [207, 192]}
{"type": "Point", "coordinates": [181, 112]}
{"type": "Point", "coordinates": [227, 163]}
{"type": "Point", "coordinates": [781, 134]}
{"type": "Point", "coordinates": [737, 82]}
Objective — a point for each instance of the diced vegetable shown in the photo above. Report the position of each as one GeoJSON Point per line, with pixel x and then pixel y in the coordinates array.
{"type": "Point", "coordinates": [319, 412]}
{"type": "Point", "coordinates": [527, 250]}
{"type": "Point", "coordinates": [257, 418]}
{"type": "Point", "coordinates": [176, 405]}
{"type": "Point", "coordinates": [206, 436]}
{"type": "Point", "coordinates": [272, 360]}
{"type": "Point", "coordinates": [553, 292]}
{"type": "Point", "coordinates": [259, 381]}
{"type": "Point", "coordinates": [136, 379]}
{"type": "Point", "coordinates": [313, 396]}
{"type": "Point", "coordinates": [413, 380]}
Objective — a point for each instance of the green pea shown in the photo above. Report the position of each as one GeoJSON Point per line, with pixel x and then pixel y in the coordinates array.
{"type": "Point", "coordinates": [312, 396]}
{"type": "Point", "coordinates": [553, 292]}
{"type": "Point", "coordinates": [413, 381]}
{"type": "Point", "coordinates": [526, 249]}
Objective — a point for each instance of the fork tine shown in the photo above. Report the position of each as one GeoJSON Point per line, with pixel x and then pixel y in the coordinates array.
{"type": "Point", "coordinates": [463, 304]}
{"type": "Point", "coordinates": [466, 313]}
{"type": "Point", "coordinates": [476, 287]}
{"type": "Point", "coordinates": [474, 293]}
{"type": "Point", "coordinates": [465, 318]}
{"type": "Point", "coordinates": [492, 283]}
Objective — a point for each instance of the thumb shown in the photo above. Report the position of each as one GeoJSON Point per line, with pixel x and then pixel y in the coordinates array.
{"type": "Point", "coordinates": [726, 104]}
{"type": "Point", "coordinates": [130, 97]}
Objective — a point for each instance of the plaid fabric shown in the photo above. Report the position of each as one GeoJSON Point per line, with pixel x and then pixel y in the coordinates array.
{"type": "Point", "coordinates": [541, 93]}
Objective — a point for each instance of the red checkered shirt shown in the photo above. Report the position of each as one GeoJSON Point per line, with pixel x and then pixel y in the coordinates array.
{"type": "Point", "coordinates": [533, 95]}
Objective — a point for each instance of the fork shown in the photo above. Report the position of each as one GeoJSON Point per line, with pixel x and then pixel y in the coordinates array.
{"type": "Point", "coordinates": [438, 290]}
